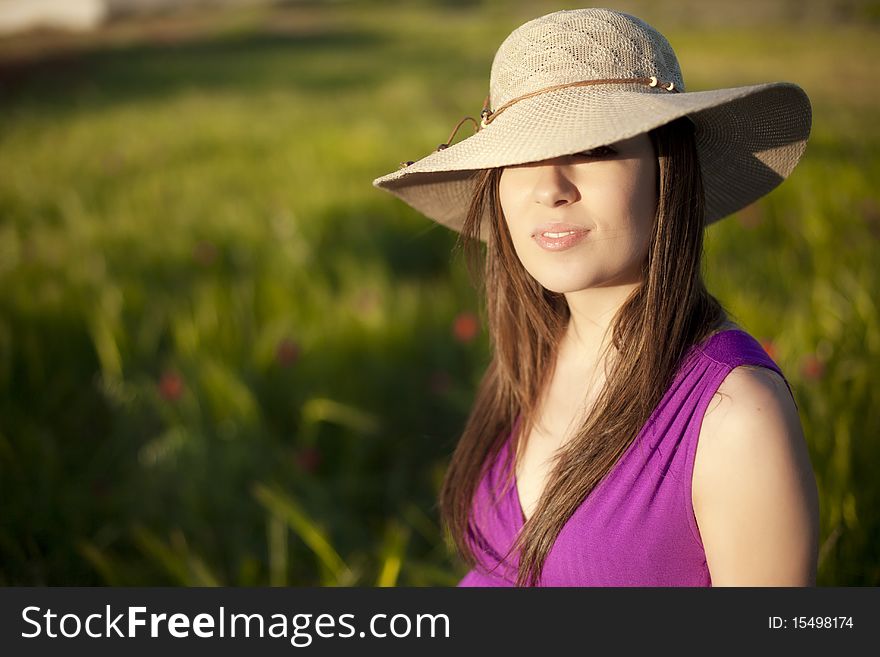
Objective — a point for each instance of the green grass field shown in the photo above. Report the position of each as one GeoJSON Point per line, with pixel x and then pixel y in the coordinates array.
{"type": "Point", "coordinates": [225, 358]}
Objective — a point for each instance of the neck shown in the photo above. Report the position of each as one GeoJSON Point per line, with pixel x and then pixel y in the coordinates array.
{"type": "Point", "coordinates": [588, 330]}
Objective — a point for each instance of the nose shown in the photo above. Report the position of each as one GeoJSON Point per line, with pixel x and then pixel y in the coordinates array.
{"type": "Point", "coordinates": [553, 186]}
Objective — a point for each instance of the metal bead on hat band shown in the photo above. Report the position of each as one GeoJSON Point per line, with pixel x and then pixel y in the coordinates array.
{"type": "Point", "coordinates": [653, 83]}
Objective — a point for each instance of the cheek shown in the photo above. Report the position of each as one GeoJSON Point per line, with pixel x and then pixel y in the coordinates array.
{"type": "Point", "coordinates": [511, 199]}
{"type": "Point", "coordinates": [648, 190]}
{"type": "Point", "coordinates": [507, 192]}
{"type": "Point", "coordinates": [641, 196]}
{"type": "Point", "coordinates": [644, 205]}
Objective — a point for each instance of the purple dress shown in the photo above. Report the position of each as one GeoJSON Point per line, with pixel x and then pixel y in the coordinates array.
{"type": "Point", "coordinates": [637, 526]}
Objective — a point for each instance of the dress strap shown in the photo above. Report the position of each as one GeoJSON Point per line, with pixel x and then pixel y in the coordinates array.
{"type": "Point", "coordinates": [736, 347]}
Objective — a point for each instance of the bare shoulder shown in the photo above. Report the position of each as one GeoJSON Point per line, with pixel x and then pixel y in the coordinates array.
{"type": "Point", "coordinates": [754, 491]}
{"type": "Point", "coordinates": [747, 385]}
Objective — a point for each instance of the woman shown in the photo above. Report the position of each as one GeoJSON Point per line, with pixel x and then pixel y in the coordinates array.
{"type": "Point", "coordinates": [626, 431]}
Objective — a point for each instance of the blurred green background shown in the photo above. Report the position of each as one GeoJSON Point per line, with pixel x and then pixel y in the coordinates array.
{"type": "Point", "coordinates": [225, 358]}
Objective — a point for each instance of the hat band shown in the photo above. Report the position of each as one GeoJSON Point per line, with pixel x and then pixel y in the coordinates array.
{"type": "Point", "coordinates": [490, 115]}
{"type": "Point", "coordinates": [487, 115]}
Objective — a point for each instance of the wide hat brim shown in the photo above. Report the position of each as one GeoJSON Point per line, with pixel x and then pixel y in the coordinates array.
{"type": "Point", "coordinates": [749, 140]}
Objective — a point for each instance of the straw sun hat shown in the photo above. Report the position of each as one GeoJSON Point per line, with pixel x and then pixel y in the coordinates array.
{"type": "Point", "coordinates": [578, 79]}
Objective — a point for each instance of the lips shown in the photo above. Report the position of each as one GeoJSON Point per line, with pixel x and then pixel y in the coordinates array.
{"type": "Point", "coordinates": [559, 236]}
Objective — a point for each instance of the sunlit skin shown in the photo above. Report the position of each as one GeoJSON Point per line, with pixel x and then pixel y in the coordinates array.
{"type": "Point", "coordinates": [754, 494]}
{"type": "Point", "coordinates": [612, 191]}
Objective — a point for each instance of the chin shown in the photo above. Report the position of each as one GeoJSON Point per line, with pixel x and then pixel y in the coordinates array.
{"type": "Point", "coordinates": [562, 286]}
{"type": "Point", "coordinates": [563, 276]}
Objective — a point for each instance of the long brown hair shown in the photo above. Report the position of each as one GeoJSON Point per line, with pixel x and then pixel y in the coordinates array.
{"type": "Point", "coordinates": [670, 311]}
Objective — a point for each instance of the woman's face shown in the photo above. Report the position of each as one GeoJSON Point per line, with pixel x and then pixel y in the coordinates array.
{"type": "Point", "coordinates": [606, 195]}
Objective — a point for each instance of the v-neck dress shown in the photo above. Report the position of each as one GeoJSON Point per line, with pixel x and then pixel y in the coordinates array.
{"type": "Point", "coordinates": [637, 526]}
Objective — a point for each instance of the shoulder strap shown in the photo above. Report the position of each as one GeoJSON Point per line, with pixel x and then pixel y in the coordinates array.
{"type": "Point", "coordinates": [736, 347]}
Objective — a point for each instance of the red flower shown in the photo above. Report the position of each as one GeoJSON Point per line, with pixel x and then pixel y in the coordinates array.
{"type": "Point", "coordinates": [308, 458]}
{"type": "Point", "coordinates": [465, 327]}
{"type": "Point", "coordinates": [100, 489]}
{"type": "Point", "coordinates": [871, 211]}
{"type": "Point", "coordinates": [171, 386]}
{"type": "Point", "coordinates": [204, 253]}
{"type": "Point", "coordinates": [287, 352]}
{"type": "Point", "coordinates": [113, 161]}
{"type": "Point", "coordinates": [367, 302]}
{"type": "Point", "coordinates": [751, 215]}
{"type": "Point", "coordinates": [770, 347]}
{"type": "Point", "coordinates": [812, 367]}
{"type": "Point", "coordinates": [440, 381]}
